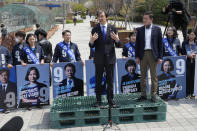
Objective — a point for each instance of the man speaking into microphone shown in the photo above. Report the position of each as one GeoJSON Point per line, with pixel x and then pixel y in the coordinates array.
{"type": "Point", "coordinates": [104, 38]}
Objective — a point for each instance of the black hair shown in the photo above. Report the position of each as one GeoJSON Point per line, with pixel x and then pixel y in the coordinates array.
{"type": "Point", "coordinates": [20, 34]}
{"type": "Point", "coordinates": [43, 33]}
{"type": "Point", "coordinates": [66, 31]}
{"type": "Point", "coordinates": [28, 72]}
{"type": "Point", "coordinates": [70, 65]}
{"type": "Point", "coordinates": [28, 36]}
{"type": "Point", "coordinates": [149, 13]}
{"type": "Point", "coordinates": [5, 70]}
{"type": "Point", "coordinates": [171, 64]}
{"type": "Point", "coordinates": [37, 25]}
{"type": "Point", "coordinates": [175, 34]}
{"type": "Point", "coordinates": [2, 25]}
{"type": "Point", "coordinates": [189, 32]}
{"type": "Point", "coordinates": [130, 63]}
{"type": "Point", "coordinates": [131, 33]}
{"type": "Point", "coordinates": [102, 11]}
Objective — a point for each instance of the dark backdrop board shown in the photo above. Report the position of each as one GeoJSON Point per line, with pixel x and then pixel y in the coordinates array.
{"type": "Point", "coordinates": [172, 77]}
{"type": "Point", "coordinates": [90, 77]}
{"type": "Point", "coordinates": [70, 84]}
{"type": "Point", "coordinates": [8, 89]}
{"type": "Point", "coordinates": [128, 82]}
{"type": "Point", "coordinates": [33, 84]}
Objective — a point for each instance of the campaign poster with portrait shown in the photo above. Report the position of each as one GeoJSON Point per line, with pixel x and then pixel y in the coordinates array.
{"type": "Point", "coordinates": [8, 89]}
{"type": "Point", "coordinates": [33, 84]}
{"type": "Point", "coordinates": [172, 77]}
{"type": "Point", "coordinates": [128, 75]}
{"type": "Point", "coordinates": [67, 79]}
{"type": "Point", "coordinates": [90, 78]}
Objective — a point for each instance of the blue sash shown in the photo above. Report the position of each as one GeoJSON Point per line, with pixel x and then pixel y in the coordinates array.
{"type": "Point", "coordinates": [31, 55]}
{"type": "Point", "coordinates": [169, 48]}
{"type": "Point", "coordinates": [131, 49]}
{"type": "Point", "coordinates": [67, 50]}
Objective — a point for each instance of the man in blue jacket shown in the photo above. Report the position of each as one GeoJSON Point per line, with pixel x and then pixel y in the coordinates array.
{"type": "Point", "coordinates": [66, 51]}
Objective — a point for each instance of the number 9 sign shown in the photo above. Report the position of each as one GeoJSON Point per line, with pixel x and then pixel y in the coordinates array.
{"type": "Point", "coordinates": [10, 100]}
{"type": "Point", "coordinates": [180, 66]}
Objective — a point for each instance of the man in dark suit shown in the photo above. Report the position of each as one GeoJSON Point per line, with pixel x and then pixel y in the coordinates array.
{"type": "Point", "coordinates": [7, 90]}
{"type": "Point", "coordinates": [72, 85]}
{"type": "Point", "coordinates": [104, 37]}
{"type": "Point", "coordinates": [149, 53]}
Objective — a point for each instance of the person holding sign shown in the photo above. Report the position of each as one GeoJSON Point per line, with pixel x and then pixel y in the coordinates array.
{"type": "Point", "coordinates": [148, 53]}
{"type": "Point", "coordinates": [18, 48]}
{"type": "Point", "coordinates": [71, 86]}
{"type": "Point", "coordinates": [7, 91]}
{"type": "Point", "coordinates": [171, 43]}
{"type": "Point", "coordinates": [5, 57]}
{"type": "Point", "coordinates": [129, 48]}
{"type": "Point", "coordinates": [130, 82]}
{"type": "Point", "coordinates": [190, 50]}
{"type": "Point", "coordinates": [168, 88]}
{"type": "Point", "coordinates": [66, 51]}
{"type": "Point", "coordinates": [30, 92]}
{"type": "Point", "coordinates": [32, 53]}
{"type": "Point", "coordinates": [104, 38]}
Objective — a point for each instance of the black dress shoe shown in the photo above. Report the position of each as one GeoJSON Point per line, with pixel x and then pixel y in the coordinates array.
{"type": "Point", "coordinates": [28, 108]}
{"type": "Point", "coordinates": [113, 105]}
{"type": "Point", "coordinates": [6, 111]}
{"type": "Point", "coordinates": [141, 98]}
{"type": "Point", "coordinates": [153, 99]}
{"type": "Point", "coordinates": [97, 104]}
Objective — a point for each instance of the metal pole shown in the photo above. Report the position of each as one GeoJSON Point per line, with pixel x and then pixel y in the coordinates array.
{"type": "Point", "coordinates": [64, 15]}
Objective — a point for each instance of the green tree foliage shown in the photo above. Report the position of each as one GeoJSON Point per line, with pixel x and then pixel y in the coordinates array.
{"type": "Point", "coordinates": [151, 5]}
{"type": "Point", "coordinates": [78, 7]}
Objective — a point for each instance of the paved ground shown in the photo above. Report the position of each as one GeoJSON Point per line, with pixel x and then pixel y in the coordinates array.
{"type": "Point", "coordinates": [181, 114]}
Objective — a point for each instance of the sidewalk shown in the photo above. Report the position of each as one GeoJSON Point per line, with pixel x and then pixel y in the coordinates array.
{"type": "Point", "coordinates": [181, 114]}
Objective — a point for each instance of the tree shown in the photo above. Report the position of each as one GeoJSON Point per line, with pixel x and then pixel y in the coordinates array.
{"type": "Point", "coordinates": [78, 7]}
{"type": "Point", "coordinates": [151, 5]}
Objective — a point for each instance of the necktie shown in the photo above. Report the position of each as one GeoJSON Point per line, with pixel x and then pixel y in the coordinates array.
{"type": "Point", "coordinates": [3, 88]}
{"type": "Point", "coordinates": [104, 32]}
{"type": "Point", "coordinates": [69, 82]}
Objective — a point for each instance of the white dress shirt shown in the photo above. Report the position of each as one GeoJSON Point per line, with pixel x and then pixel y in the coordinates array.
{"type": "Point", "coordinates": [148, 38]}
{"type": "Point", "coordinates": [5, 85]}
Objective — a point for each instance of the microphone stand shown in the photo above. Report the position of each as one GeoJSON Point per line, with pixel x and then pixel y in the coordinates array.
{"type": "Point", "coordinates": [110, 123]}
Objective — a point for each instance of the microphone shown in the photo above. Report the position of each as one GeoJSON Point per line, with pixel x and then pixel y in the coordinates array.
{"type": "Point", "coordinates": [14, 124]}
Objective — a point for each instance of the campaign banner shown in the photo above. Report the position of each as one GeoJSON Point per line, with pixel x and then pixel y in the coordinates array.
{"type": "Point", "coordinates": [172, 77]}
{"type": "Point", "coordinates": [8, 89]}
{"type": "Point", "coordinates": [128, 75]}
{"type": "Point", "coordinates": [67, 79]}
{"type": "Point", "coordinates": [33, 84]}
{"type": "Point", "coordinates": [90, 79]}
